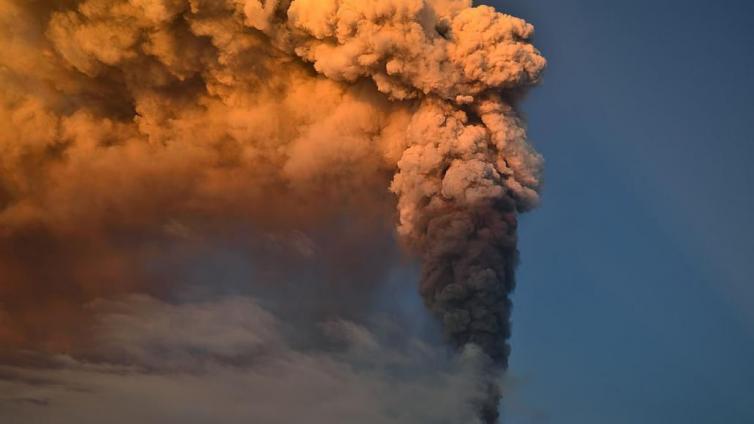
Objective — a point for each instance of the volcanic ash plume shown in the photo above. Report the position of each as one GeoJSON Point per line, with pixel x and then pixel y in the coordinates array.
{"type": "Point", "coordinates": [460, 186]}
{"type": "Point", "coordinates": [130, 122]}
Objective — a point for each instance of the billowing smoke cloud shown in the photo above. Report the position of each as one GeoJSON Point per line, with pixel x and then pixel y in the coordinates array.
{"type": "Point", "coordinates": [139, 127]}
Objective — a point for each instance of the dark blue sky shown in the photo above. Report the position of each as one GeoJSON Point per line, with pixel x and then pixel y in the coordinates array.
{"type": "Point", "coordinates": [635, 301]}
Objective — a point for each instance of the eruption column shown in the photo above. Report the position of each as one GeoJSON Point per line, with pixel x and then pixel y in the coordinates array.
{"type": "Point", "coordinates": [458, 211]}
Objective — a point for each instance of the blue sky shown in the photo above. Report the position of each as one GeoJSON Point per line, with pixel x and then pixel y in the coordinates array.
{"type": "Point", "coordinates": [635, 301]}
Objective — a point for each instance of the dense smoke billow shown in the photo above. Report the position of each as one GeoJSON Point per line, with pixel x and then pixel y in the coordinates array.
{"type": "Point", "coordinates": [138, 132]}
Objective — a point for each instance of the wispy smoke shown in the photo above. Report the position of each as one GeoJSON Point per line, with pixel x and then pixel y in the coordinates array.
{"type": "Point", "coordinates": [131, 126]}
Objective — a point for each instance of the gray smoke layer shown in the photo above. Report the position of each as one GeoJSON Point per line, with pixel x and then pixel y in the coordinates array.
{"type": "Point", "coordinates": [231, 361]}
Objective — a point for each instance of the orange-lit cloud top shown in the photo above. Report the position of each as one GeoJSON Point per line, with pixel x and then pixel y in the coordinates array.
{"type": "Point", "coordinates": [128, 124]}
